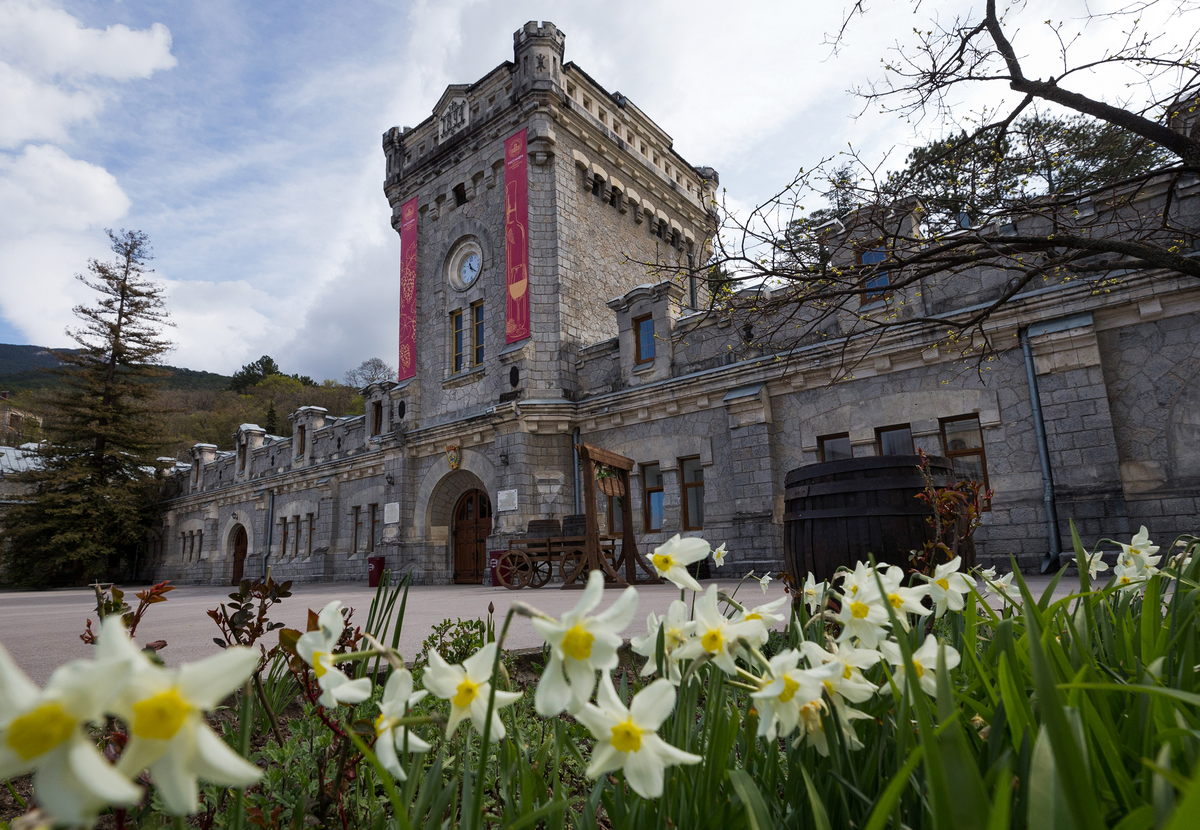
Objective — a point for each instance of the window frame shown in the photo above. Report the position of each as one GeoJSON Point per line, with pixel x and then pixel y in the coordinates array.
{"type": "Point", "coordinates": [373, 513]}
{"type": "Point", "coordinates": [882, 292]}
{"type": "Point", "coordinates": [376, 417]}
{"type": "Point", "coordinates": [457, 342]}
{"type": "Point", "coordinates": [981, 452]}
{"type": "Point", "coordinates": [357, 537]}
{"type": "Point", "coordinates": [477, 333]}
{"type": "Point", "coordinates": [684, 487]}
{"type": "Point", "coordinates": [299, 440]}
{"type": "Point", "coordinates": [311, 523]}
{"type": "Point", "coordinates": [879, 431]}
{"type": "Point", "coordinates": [283, 547]}
{"type": "Point", "coordinates": [821, 439]}
{"type": "Point", "coordinates": [646, 494]}
{"type": "Point", "coordinates": [638, 360]}
{"type": "Point", "coordinates": [296, 540]}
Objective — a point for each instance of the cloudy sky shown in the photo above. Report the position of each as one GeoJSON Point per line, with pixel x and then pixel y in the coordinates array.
{"type": "Point", "coordinates": [244, 138]}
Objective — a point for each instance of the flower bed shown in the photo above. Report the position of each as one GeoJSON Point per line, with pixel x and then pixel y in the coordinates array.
{"type": "Point", "coordinates": [888, 699]}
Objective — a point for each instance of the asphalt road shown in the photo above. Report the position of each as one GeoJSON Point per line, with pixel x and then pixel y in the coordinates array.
{"type": "Point", "coordinates": [41, 629]}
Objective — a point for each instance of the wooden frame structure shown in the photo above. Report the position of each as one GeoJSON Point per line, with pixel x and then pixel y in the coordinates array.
{"type": "Point", "coordinates": [530, 562]}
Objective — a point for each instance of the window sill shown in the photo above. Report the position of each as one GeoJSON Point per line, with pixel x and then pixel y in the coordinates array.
{"type": "Point", "coordinates": [642, 368]}
{"type": "Point", "coordinates": [463, 378]}
{"type": "Point", "coordinates": [876, 305]}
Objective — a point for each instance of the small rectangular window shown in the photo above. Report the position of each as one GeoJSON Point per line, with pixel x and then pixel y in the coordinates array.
{"type": "Point", "coordinates": [692, 476]}
{"type": "Point", "coordinates": [895, 440]}
{"type": "Point", "coordinates": [643, 336]}
{"type": "Point", "coordinates": [357, 529]}
{"type": "Point", "coordinates": [311, 527]}
{"type": "Point", "coordinates": [962, 442]}
{"type": "Point", "coordinates": [377, 417]}
{"type": "Point", "coordinates": [876, 282]}
{"type": "Point", "coordinates": [616, 516]}
{"type": "Point", "coordinates": [373, 511]}
{"type": "Point", "coordinates": [477, 333]}
{"type": "Point", "coordinates": [300, 440]}
{"type": "Point", "coordinates": [283, 549]}
{"type": "Point", "coordinates": [456, 335]}
{"type": "Point", "coordinates": [296, 538]}
{"type": "Point", "coordinates": [652, 497]}
{"type": "Point", "coordinates": [460, 195]}
{"type": "Point", "coordinates": [835, 447]}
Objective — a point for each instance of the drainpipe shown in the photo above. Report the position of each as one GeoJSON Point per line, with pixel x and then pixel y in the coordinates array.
{"type": "Point", "coordinates": [270, 534]}
{"type": "Point", "coordinates": [1050, 562]}
{"type": "Point", "coordinates": [578, 476]}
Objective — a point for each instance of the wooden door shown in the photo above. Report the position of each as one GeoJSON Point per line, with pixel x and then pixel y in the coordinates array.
{"type": "Point", "coordinates": [472, 526]}
{"type": "Point", "coordinates": [239, 554]}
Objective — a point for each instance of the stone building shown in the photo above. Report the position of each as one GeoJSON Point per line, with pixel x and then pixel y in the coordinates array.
{"type": "Point", "coordinates": [459, 457]}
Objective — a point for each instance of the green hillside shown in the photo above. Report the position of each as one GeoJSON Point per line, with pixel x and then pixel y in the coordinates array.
{"type": "Point", "coordinates": [20, 372]}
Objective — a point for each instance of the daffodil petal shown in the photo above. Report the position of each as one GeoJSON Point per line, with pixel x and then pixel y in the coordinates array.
{"type": "Point", "coordinates": [100, 778]}
{"type": "Point", "coordinates": [139, 754]}
{"type": "Point", "coordinates": [217, 762]}
{"type": "Point", "coordinates": [385, 751]}
{"type": "Point", "coordinates": [671, 755]}
{"type": "Point", "coordinates": [605, 758]}
{"type": "Point", "coordinates": [62, 797]}
{"type": "Point", "coordinates": [354, 691]}
{"type": "Point", "coordinates": [553, 692]}
{"type": "Point", "coordinates": [17, 691]}
{"type": "Point", "coordinates": [309, 644]}
{"type": "Point", "coordinates": [176, 784]}
{"type": "Point", "coordinates": [644, 772]}
{"type": "Point", "coordinates": [479, 665]}
{"type": "Point", "coordinates": [653, 704]}
{"type": "Point", "coordinates": [207, 682]}
{"type": "Point", "coordinates": [440, 677]}
{"type": "Point", "coordinates": [618, 615]}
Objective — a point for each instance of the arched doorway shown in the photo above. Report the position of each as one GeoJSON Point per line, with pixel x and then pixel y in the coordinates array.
{"type": "Point", "coordinates": [472, 526]}
{"type": "Point", "coordinates": [239, 554]}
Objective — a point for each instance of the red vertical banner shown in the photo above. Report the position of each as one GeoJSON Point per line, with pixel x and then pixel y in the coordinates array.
{"type": "Point", "coordinates": [516, 239]}
{"type": "Point", "coordinates": [408, 290]}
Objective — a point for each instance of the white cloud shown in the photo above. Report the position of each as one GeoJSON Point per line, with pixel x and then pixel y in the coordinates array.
{"type": "Point", "coordinates": [44, 189]}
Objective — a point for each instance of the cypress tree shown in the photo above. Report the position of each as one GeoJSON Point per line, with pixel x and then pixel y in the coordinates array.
{"type": "Point", "coordinates": [93, 497]}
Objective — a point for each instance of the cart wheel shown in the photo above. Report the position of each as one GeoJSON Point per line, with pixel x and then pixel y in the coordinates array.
{"type": "Point", "coordinates": [514, 570]}
{"type": "Point", "coordinates": [570, 564]}
{"type": "Point", "coordinates": [540, 571]}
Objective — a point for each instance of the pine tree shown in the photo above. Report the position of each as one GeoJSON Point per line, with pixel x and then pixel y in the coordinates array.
{"type": "Point", "coordinates": [93, 497]}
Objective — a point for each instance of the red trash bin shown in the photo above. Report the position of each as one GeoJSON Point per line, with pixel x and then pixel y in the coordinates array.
{"type": "Point", "coordinates": [494, 560]}
{"type": "Point", "coordinates": [375, 565]}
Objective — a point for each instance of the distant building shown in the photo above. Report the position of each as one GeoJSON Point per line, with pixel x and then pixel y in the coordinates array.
{"type": "Point", "coordinates": [17, 426]}
{"type": "Point", "coordinates": [526, 325]}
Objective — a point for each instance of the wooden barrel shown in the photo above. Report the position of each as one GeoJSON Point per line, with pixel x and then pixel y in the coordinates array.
{"type": "Point", "coordinates": [574, 525]}
{"type": "Point", "coordinates": [838, 512]}
{"type": "Point", "coordinates": [543, 528]}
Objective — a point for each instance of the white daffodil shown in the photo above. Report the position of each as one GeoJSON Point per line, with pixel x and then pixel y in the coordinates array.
{"type": "Point", "coordinates": [1129, 575]}
{"type": "Point", "coordinates": [1094, 563]}
{"type": "Point", "coordinates": [672, 558]}
{"type": "Point", "coordinates": [627, 738]}
{"type": "Point", "coordinates": [1141, 551]}
{"type": "Point", "coordinates": [761, 620]}
{"type": "Point", "coordinates": [846, 665]}
{"type": "Point", "coordinates": [580, 646]}
{"type": "Point", "coordinates": [925, 661]}
{"type": "Point", "coordinates": [905, 600]}
{"type": "Point", "coordinates": [719, 555]}
{"type": "Point", "coordinates": [948, 587]}
{"type": "Point", "coordinates": [43, 731]}
{"type": "Point", "coordinates": [467, 687]}
{"type": "Point", "coordinates": [164, 712]}
{"type": "Point", "coordinates": [862, 577]}
{"type": "Point", "coordinates": [785, 693]}
{"type": "Point", "coordinates": [814, 593]}
{"type": "Point", "coordinates": [674, 627]}
{"type": "Point", "coordinates": [390, 736]}
{"type": "Point", "coordinates": [813, 730]}
{"type": "Point", "coordinates": [863, 618]}
{"type": "Point", "coordinates": [316, 649]}
{"type": "Point", "coordinates": [714, 634]}
{"type": "Point", "coordinates": [764, 581]}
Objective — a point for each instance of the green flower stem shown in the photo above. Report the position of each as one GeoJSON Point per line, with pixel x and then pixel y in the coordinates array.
{"type": "Point", "coordinates": [244, 728]}
{"type": "Point", "coordinates": [477, 810]}
{"type": "Point", "coordinates": [179, 823]}
{"type": "Point", "coordinates": [16, 796]}
{"type": "Point", "coordinates": [384, 777]}
{"type": "Point", "coordinates": [359, 655]}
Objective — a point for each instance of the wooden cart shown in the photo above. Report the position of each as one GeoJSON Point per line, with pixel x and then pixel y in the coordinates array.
{"type": "Point", "coordinates": [532, 562]}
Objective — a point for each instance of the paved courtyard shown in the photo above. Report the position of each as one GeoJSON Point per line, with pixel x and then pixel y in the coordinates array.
{"type": "Point", "coordinates": [41, 628]}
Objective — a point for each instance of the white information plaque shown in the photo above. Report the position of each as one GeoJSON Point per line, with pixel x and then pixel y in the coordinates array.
{"type": "Point", "coordinates": [506, 501]}
{"type": "Point", "coordinates": [391, 513]}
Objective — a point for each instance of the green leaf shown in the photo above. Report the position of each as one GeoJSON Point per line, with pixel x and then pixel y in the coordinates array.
{"type": "Point", "coordinates": [820, 816]}
{"type": "Point", "coordinates": [895, 788]}
{"type": "Point", "coordinates": [756, 809]}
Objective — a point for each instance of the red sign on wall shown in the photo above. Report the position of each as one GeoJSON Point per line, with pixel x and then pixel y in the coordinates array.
{"type": "Point", "coordinates": [516, 239]}
{"type": "Point", "coordinates": [408, 290]}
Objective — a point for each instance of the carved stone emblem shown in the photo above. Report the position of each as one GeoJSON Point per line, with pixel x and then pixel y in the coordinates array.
{"type": "Point", "coordinates": [452, 456]}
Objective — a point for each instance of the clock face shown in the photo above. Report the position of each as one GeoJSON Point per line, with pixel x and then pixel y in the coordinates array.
{"type": "Point", "coordinates": [469, 269]}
